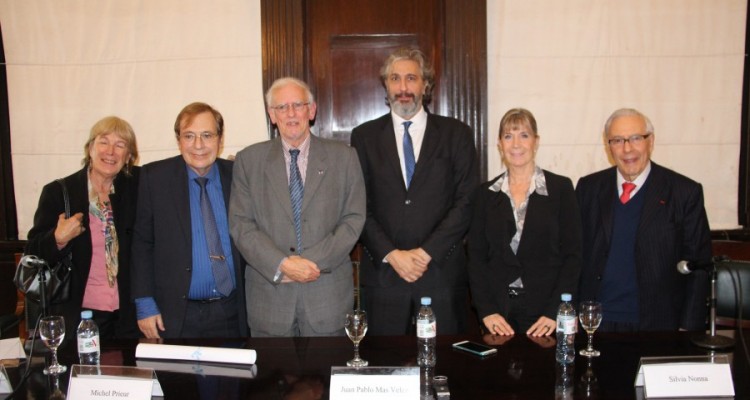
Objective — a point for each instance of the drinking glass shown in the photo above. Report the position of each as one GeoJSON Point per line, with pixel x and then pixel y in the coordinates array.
{"type": "Point", "coordinates": [52, 331]}
{"type": "Point", "coordinates": [356, 327]}
{"type": "Point", "coordinates": [590, 314]}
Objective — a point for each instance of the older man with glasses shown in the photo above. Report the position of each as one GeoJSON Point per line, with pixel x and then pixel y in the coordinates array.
{"type": "Point", "coordinates": [639, 220]}
{"type": "Point", "coordinates": [186, 270]}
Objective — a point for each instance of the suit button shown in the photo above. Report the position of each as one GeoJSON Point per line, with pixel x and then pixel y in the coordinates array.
{"type": "Point", "coordinates": [188, 269]}
{"type": "Point", "coordinates": [292, 250]}
{"type": "Point", "coordinates": [407, 202]}
{"type": "Point", "coordinates": [598, 277]}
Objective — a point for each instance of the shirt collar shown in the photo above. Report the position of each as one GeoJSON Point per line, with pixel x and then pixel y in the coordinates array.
{"type": "Point", "coordinates": [303, 148]}
{"type": "Point", "coordinates": [538, 183]}
{"type": "Point", "coordinates": [639, 181]}
{"type": "Point", "coordinates": [212, 174]}
{"type": "Point", "coordinates": [419, 120]}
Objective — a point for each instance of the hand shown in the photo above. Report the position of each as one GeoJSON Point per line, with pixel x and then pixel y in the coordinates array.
{"type": "Point", "coordinates": [497, 325]}
{"type": "Point", "coordinates": [496, 340]}
{"type": "Point", "coordinates": [544, 342]}
{"type": "Point", "coordinates": [298, 269]}
{"type": "Point", "coordinates": [406, 265]}
{"type": "Point", "coordinates": [542, 327]}
{"type": "Point", "coordinates": [150, 326]}
{"type": "Point", "coordinates": [421, 258]}
{"type": "Point", "coordinates": [68, 229]}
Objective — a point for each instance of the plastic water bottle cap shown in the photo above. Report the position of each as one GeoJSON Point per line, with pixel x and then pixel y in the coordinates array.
{"type": "Point", "coordinates": [566, 297]}
{"type": "Point", "coordinates": [86, 314]}
{"type": "Point", "coordinates": [426, 301]}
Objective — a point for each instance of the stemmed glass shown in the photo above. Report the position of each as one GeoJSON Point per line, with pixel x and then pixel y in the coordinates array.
{"type": "Point", "coordinates": [356, 327]}
{"type": "Point", "coordinates": [590, 314]}
{"type": "Point", "coordinates": [52, 331]}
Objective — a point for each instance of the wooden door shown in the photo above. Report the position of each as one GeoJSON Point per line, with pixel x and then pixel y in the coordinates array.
{"type": "Point", "coordinates": [338, 47]}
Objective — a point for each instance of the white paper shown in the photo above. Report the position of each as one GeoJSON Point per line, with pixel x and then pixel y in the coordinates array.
{"type": "Point", "coordinates": [4, 381]}
{"type": "Point", "coordinates": [11, 349]}
{"type": "Point", "coordinates": [687, 380]}
{"type": "Point", "coordinates": [200, 369]}
{"type": "Point", "coordinates": [110, 387]}
{"type": "Point", "coordinates": [375, 383]}
{"type": "Point", "coordinates": [195, 353]}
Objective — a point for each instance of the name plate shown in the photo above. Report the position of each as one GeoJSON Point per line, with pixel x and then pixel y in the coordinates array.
{"type": "Point", "coordinates": [112, 382]}
{"type": "Point", "coordinates": [4, 381]}
{"type": "Point", "coordinates": [686, 377]}
{"type": "Point", "coordinates": [373, 383]}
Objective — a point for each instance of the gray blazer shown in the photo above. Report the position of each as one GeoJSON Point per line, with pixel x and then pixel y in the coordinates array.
{"type": "Point", "coordinates": [261, 224]}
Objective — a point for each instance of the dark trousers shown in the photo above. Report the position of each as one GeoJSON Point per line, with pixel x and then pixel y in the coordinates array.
{"type": "Point", "coordinates": [393, 311]}
{"type": "Point", "coordinates": [214, 319]}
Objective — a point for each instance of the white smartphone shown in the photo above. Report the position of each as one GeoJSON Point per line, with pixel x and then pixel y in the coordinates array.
{"type": "Point", "coordinates": [475, 348]}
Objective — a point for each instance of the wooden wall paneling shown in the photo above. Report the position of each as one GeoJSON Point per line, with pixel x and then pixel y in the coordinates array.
{"type": "Point", "coordinates": [358, 94]}
{"type": "Point", "coordinates": [283, 43]}
{"type": "Point", "coordinates": [456, 46]}
{"type": "Point", "coordinates": [464, 77]}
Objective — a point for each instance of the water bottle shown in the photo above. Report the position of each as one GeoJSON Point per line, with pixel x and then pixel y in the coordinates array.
{"type": "Point", "coordinates": [88, 339]}
{"type": "Point", "coordinates": [564, 381]}
{"type": "Point", "coordinates": [566, 330]}
{"type": "Point", "coordinates": [426, 334]}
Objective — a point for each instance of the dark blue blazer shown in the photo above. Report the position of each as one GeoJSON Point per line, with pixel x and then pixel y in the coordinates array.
{"type": "Point", "coordinates": [434, 213]}
{"type": "Point", "coordinates": [162, 244]}
{"type": "Point", "coordinates": [673, 227]}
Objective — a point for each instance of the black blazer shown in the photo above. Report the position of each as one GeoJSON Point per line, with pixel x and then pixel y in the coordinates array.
{"type": "Point", "coordinates": [433, 214]}
{"type": "Point", "coordinates": [548, 259]}
{"type": "Point", "coordinates": [673, 227]}
{"type": "Point", "coordinates": [162, 244]}
{"type": "Point", "coordinates": [41, 242]}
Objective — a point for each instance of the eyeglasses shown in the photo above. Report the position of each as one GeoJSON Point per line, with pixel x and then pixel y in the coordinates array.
{"type": "Point", "coordinates": [634, 140]}
{"type": "Point", "coordinates": [189, 137]}
{"type": "Point", "coordinates": [297, 106]}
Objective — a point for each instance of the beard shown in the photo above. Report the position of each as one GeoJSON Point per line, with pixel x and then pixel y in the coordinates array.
{"type": "Point", "coordinates": [405, 110]}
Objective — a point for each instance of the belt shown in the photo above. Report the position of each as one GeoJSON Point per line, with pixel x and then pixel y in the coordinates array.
{"type": "Point", "coordinates": [206, 301]}
{"type": "Point", "coordinates": [514, 292]}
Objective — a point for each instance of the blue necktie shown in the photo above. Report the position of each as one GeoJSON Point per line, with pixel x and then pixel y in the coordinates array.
{"type": "Point", "coordinates": [296, 191]}
{"type": "Point", "coordinates": [409, 161]}
{"type": "Point", "coordinates": [219, 265]}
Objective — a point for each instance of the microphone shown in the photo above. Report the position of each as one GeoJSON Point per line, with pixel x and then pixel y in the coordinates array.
{"type": "Point", "coordinates": [32, 261]}
{"type": "Point", "coordinates": [686, 267]}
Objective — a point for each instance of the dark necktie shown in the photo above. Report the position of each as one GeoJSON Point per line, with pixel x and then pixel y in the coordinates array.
{"type": "Point", "coordinates": [627, 188]}
{"type": "Point", "coordinates": [409, 161]}
{"type": "Point", "coordinates": [296, 192]}
{"type": "Point", "coordinates": [219, 266]}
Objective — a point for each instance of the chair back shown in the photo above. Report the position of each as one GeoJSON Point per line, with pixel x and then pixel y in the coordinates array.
{"type": "Point", "coordinates": [733, 293]}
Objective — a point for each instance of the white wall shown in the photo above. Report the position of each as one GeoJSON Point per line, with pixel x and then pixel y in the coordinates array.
{"type": "Point", "coordinates": [570, 62]}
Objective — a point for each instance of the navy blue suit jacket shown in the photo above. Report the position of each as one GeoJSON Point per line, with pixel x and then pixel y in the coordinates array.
{"type": "Point", "coordinates": [434, 213]}
{"type": "Point", "coordinates": [162, 244]}
{"type": "Point", "coordinates": [673, 227]}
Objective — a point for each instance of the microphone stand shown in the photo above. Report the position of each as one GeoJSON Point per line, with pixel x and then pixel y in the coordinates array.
{"type": "Point", "coordinates": [713, 341]}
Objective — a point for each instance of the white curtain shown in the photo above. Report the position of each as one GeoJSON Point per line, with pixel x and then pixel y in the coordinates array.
{"type": "Point", "coordinates": [572, 62]}
{"type": "Point", "coordinates": [73, 62]}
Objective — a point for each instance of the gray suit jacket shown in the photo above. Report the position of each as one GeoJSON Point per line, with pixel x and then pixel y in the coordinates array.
{"type": "Point", "coordinates": [261, 224]}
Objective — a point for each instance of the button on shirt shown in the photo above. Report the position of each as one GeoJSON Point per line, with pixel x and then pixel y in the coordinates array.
{"type": "Point", "coordinates": [416, 131]}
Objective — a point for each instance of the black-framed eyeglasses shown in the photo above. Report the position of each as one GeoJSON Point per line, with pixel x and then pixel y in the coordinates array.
{"type": "Point", "coordinates": [633, 140]}
{"type": "Point", "coordinates": [189, 137]}
{"type": "Point", "coordinates": [297, 106]}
